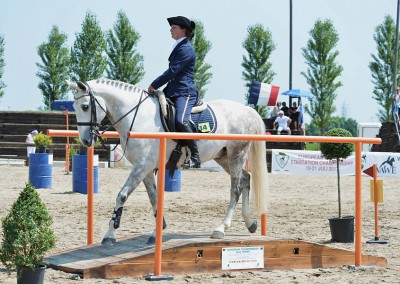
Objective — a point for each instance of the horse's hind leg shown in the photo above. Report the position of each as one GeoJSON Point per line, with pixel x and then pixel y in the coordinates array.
{"type": "Point", "coordinates": [250, 223]}
{"type": "Point", "coordinates": [232, 162]}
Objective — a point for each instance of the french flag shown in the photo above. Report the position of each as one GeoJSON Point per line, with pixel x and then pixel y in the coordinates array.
{"type": "Point", "coordinates": [263, 94]}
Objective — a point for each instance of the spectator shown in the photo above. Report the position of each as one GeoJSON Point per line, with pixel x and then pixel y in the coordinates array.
{"type": "Point", "coordinates": [294, 115]}
{"type": "Point", "coordinates": [285, 109]}
{"type": "Point", "coordinates": [282, 123]}
{"type": "Point", "coordinates": [29, 140]}
{"type": "Point", "coordinates": [275, 111]}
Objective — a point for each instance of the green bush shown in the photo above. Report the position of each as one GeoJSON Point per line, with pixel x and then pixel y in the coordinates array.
{"type": "Point", "coordinates": [42, 140]}
{"type": "Point", "coordinates": [337, 151]}
{"type": "Point", "coordinates": [27, 234]}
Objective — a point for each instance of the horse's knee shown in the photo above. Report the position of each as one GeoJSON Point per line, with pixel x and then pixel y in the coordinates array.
{"type": "Point", "coordinates": [121, 198]}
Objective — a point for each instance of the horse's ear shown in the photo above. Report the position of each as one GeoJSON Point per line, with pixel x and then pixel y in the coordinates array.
{"type": "Point", "coordinates": [72, 85]}
{"type": "Point", "coordinates": [82, 86]}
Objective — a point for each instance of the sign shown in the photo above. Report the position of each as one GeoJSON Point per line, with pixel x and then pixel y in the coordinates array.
{"type": "Point", "coordinates": [242, 258]}
{"type": "Point", "coordinates": [313, 163]}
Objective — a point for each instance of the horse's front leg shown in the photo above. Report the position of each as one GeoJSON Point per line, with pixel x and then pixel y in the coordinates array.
{"type": "Point", "coordinates": [137, 174]}
{"type": "Point", "coordinates": [150, 184]}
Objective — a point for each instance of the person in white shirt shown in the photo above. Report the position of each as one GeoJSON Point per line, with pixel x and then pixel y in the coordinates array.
{"type": "Point", "coordinates": [29, 140]}
{"type": "Point", "coordinates": [282, 122]}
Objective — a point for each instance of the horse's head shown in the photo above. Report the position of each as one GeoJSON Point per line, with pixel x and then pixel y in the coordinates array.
{"type": "Point", "coordinates": [89, 110]}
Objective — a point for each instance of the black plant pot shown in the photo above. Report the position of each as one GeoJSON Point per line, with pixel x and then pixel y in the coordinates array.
{"type": "Point", "coordinates": [342, 229]}
{"type": "Point", "coordinates": [27, 275]}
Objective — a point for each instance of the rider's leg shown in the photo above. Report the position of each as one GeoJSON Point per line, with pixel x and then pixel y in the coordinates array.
{"type": "Point", "coordinates": [184, 105]}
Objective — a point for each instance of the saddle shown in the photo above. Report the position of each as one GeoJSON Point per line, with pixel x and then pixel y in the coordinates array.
{"type": "Point", "coordinates": [202, 118]}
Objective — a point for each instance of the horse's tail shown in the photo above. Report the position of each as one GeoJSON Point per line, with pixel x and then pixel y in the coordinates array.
{"type": "Point", "coordinates": [259, 171]}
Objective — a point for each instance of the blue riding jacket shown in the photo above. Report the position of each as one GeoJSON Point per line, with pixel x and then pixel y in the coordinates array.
{"type": "Point", "coordinates": [180, 73]}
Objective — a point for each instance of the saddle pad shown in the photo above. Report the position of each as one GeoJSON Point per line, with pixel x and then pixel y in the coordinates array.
{"type": "Point", "coordinates": [205, 121]}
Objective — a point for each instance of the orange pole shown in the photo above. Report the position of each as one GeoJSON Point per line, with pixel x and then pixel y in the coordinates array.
{"type": "Point", "coordinates": [67, 161]}
{"type": "Point", "coordinates": [74, 133]}
{"type": "Point", "coordinates": [90, 193]}
{"type": "Point", "coordinates": [264, 221]}
{"type": "Point", "coordinates": [243, 137]}
{"type": "Point", "coordinates": [375, 171]}
{"type": "Point", "coordinates": [160, 206]}
{"type": "Point", "coordinates": [358, 206]}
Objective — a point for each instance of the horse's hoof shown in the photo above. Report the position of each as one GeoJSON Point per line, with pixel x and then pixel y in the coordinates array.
{"type": "Point", "coordinates": [108, 242]}
{"type": "Point", "coordinates": [151, 240]}
{"type": "Point", "coordinates": [253, 227]}
{"type": "Point", "coordinates": [217, 235]}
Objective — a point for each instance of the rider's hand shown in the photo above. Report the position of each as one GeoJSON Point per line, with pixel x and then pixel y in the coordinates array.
{"type": "Point", "coordinates": [150, 89]}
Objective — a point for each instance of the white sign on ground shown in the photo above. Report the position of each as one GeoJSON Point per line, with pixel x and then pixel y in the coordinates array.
{"type": "Point", "coordinates": [312, 163]}
{"type": "Point", "coordinates": [242, 258]}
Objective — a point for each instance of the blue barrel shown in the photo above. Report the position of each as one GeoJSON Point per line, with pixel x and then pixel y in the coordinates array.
{"type": "Point", "coordinates": [173, 184]}
{"type": "Point", "coordinates": [41, 170]}
{"type": "Point", "coordinates": [79, 173]}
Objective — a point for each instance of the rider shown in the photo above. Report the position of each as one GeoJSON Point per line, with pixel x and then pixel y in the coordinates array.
{"type": "Point", "coordinates": [179, 78]}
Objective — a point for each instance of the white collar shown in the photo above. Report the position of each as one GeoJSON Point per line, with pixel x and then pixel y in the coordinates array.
{"type": "Point", "coordinates": [178, 41]}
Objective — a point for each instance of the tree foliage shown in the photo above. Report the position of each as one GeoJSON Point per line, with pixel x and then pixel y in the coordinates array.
{"type": "Point", "coordinates": [322, 71]}
{"type": "Point", "coordinates": [27, 232]}
{"type": "Point", "coordinates": [202, 46]}
{"type": "Point", "coordinates": [259, 46]}
{"type": "Point", "coordinates": [335, 122]}
{"type": "Point", "coordinates": [337, 151]}
{"type": "Point", "coordinates": [2, 64]}
{"type": "Point", "coordinates": [382, 67]}
{"type": "Point", "coordinates": [124, 61]}
{"type": "Point", "coordinates": [88, 60]}
{"type": "Point", "coordinates": [54, 67]}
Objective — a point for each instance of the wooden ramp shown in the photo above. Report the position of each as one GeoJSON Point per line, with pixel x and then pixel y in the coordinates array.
{"type": "Point", "coordinates": [196, 253]}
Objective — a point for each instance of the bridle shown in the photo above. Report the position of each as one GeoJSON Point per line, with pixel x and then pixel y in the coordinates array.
{"type": "Point", "coordinates": [95, 126]}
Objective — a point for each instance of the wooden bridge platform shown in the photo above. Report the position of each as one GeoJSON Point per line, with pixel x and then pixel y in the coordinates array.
{"type": "Point", "coordinates": [197, 253]}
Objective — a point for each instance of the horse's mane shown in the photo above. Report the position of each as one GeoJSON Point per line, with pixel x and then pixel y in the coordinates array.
{"type": "Point", "coordinates": [116, 84]}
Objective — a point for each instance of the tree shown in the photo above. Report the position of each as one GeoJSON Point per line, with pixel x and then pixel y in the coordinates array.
{"type": "Point", "coordinates": [201, 47]}
{"type": "Point", "coordinates": [382, 67]}
{"type": "Point", "coordinates": [322, 72]}
{"type": "Point", "coordinates": [348, 124]}
{"type": "Point", "coordinates": [124, 62]}
{"type": "Point", "coordinates": [2, 64]}
{"type": "Point", "coordinates": [54, 69]}
{"type": "Point", "coordinates": [87, 54]}
{"type": "Point", "coordinates": [259, 46]}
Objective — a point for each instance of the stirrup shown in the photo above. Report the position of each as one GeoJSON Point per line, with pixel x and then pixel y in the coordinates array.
{"type": "Point", "coordinates": [192, 164]}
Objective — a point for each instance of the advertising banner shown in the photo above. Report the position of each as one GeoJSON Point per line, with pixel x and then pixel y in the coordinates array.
{"type": "Point", "coordinates": [312, 163]}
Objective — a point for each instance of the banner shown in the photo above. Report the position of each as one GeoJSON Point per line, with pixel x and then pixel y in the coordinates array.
{"type": "Point", "coordinates": [312, 163]}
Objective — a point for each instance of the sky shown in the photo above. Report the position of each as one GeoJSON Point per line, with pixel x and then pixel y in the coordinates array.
{"type": "Point", "coordinates": [26, 24]}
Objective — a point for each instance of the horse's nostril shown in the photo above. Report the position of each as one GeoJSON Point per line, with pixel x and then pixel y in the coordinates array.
{"type": "Point", "coordinates": [85, 142]}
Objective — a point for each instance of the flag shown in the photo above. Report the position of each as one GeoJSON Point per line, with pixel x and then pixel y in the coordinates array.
{"type": "Point", "coordinates": [263, 94]}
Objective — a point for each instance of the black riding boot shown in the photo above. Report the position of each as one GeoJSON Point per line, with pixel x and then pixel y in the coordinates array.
{"type": "Point", "coordinates": [194, 161]}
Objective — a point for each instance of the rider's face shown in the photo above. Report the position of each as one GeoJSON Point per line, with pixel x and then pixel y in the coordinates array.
{"type": "Point", "coordinates": [177, 32]}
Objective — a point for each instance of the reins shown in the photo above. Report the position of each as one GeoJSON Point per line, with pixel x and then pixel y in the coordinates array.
{"type": "Point", "coordinates": [95, 126]}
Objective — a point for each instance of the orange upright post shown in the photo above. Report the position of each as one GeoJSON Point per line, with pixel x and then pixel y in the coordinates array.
{"type": "Point", "coordinates": [67, 146]}
{"type": "Point", "coordinates": [358, 206]}
{"type": "Point", "coordinates": [90, 194]}
{"type": "Point", "coordinates": [264, 221]}
{"type": "Point", "coordinates": [160, 214]}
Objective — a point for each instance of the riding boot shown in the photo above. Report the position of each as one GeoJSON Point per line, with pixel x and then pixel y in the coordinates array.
{"type": "Point", "coordinates": [194, 161]}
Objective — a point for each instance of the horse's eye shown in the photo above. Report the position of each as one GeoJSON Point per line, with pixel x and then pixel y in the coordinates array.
{"type": "Point", "coordinates": [85, 107]}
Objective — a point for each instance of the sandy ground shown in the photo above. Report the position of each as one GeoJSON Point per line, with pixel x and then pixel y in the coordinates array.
{"type": "Point", "coordinates": [299, 208]}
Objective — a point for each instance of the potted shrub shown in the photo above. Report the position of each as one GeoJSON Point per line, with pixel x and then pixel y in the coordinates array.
{"type": "Point", "coordinates": [342, 228]}
{"type": "Point", "coordinates": [27, 236]}
{"type": "Point", "coordinates": [42, 141]}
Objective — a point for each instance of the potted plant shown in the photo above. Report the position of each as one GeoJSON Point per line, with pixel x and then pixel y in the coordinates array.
{"type": "Point", "coordinates": [342, 228]}
{"type": "Point", "coordinates": [27, 236]}
{"type": "Point", "coordinates": [42, 141]}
